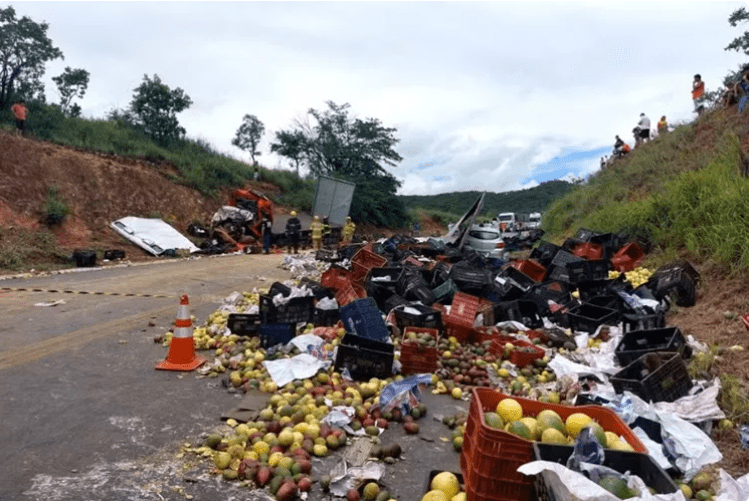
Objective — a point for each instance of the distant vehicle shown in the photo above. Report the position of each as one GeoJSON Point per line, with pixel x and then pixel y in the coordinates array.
{"type": "Point", "coordinates": [486, 240]}
{"type": "Point", "coordinates": [509, 221]}
{"type": "Point", "coordinates": [535, 220]}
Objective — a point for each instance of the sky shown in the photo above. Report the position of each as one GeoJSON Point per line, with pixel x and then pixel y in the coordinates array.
{"type": "Point", "coordinates": [487, 96]}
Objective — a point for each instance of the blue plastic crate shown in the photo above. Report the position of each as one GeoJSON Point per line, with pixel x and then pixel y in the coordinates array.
{"type": "Point", "coordinates": [273, 334]}
{"type": "Point", "coordinates": [363, 318]}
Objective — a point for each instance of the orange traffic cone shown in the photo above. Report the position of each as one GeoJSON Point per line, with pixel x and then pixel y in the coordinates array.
{"type": "Point", "coordinates": [181, 356]}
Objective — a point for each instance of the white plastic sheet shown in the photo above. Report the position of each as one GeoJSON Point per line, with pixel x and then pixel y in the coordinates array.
{"type": "Point", "coordinates": [287, 370]}
{"type": "Point", "coordinates": [731, 489]}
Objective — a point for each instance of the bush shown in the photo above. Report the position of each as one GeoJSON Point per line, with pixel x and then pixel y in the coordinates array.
{"type": "Point", "coordinates": [55, 207]}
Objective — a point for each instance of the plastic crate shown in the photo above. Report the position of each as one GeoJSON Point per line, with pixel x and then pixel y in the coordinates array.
{"type": "Point", "coordinates": [521, 310]}
{"type": "Point", "coordinates": [335, 278]}
{"type": "Point", "coordinates": [520, 359]}
{"type": "Point", "coordinates": [273, 334]}
{"type": "Point", "coordinates": [660, 376]}
{"type": "Point", "coordinates": [244, 324]}
{"type": "Point", "coordinates": [587, 317]}
{"type": "Point", "coordinates": [461, 332]}
{"type": "Point", "coordinates": [298, 309]}
{"type": "Point", "coordinates": [589, 251]}
{"type": "Point", "coordinates": [369, 259]}
{"type": "Point", "coordinates": [415, 359]}
{"type": "Point", "coordinates": [470, 278]}
{"type": "Point", "coordinates": [359, 272]}
{"type": "Point", "coordinates": [641, 465]}
{"type": "Point", "coordinates": [363, 317]}
{"type": "Point", "coordinates": [84, 258]}
{"type": "Point", "coordinates": [392, 302]}
{"type": "Point", "coordinates": [279, 288]}
{"type": "Point", "coordinates": [543, 293]}
{"type": "Point", "coordinates": [587, 271]}
{"type": "Point", "coordinates": [113, 254]}
{"type": "Point", "coordinates": [531, 269]}
{"type": "Point", "coordinates": [325, 317]}
{"type": "Point", "coordinates": [628, 257]}
{"type": "Point", "coordinates": [634, 321]}
{"type": "Point", "coordinates": [426, 316]}
{"type": "Point", "coordinates": [611, 301]}
{"type": "Point", "coordinates": [593, 288]}
{"type": "Point", "coordinates": [635, 344]}
{"type": "Point", "coordinates": [463, 310]}
{"type": "Point", "coordinates": [544, 252]}
{"type": "Point", "coordinates": [676, 279]}
{"type": "Point", "coordinates": [445, 291]}
{"type": "Point", "coordinates": [386, 276]}
{"type": "Point", "coordinates": [364, 358]}
{"type": "Point", "coordinates": [490, 457]}
{"type": "Point", "coordinates": [518, 278]}
{"type": "Point", "coordinates": [317, 289]}
{"type": "Point", "coordinates": [421, 293]}
{"type": "Point", "coordinates": [350, 293]}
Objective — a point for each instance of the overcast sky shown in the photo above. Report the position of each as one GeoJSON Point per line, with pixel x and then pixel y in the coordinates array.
{"type": "Point", "coordinates": [493, 96]}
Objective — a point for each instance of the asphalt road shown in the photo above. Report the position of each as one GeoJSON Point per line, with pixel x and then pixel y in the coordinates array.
{"type": "Point", "coordinates": [85, 414]}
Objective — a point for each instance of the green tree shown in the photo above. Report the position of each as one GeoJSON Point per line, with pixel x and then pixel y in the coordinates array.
{"type": "Point", "coordinates": [24, 49]}
{"type": "Point", "coordinates": [71, 83]}
{"type": "Point", "coordinates": [248, 135]}
{"type": "Point", "coordinates": [741, 42]}
{"type": "Point", "coordinates": [292, 145]}
{"type": "Point", "coordinates": [155, 106]}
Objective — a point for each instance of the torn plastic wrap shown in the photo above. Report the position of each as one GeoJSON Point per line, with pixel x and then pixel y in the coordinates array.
{"type": "Point", "coordinates": [731, 489]}
{"type": "Point", "coordinates": [344, 478]}
{"type": "Point", "coordinates": [302, 366]}
{"type": "Point", "coordinates": [403, 394]}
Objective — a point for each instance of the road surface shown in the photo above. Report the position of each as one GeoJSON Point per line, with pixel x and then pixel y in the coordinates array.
{"type": "Point", "coordinates": [85, 414]}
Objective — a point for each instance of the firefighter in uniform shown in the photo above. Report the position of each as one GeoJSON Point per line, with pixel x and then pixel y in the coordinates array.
{"type": "Point", "coordinates": [348, 230]}
{"type": "Point", "coordinates": [316, 229]}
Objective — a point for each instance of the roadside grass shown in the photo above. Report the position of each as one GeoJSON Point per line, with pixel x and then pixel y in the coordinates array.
{"type": "Point", "coordinates": [437, 216]}
{"type": "Point", "coordinates": [733, 399]}
{"type": "Point", "coordinates": [670, 195]}
{"type": "Point", "coordinates": [21, 248]}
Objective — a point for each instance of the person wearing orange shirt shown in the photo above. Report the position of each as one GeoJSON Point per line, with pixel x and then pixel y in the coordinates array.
{"type": "Point", "coordinates": [661, 125]}
{"type": "Point", "coordinates": [699, 88]}
{"type": "Point", "coordinates": [19, 113]}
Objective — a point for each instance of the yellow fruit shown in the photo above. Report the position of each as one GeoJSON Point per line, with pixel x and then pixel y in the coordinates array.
{"type": "Point", "coordinates": [611, 437]}
{"type": "Point", "coordinates": [493, 420]}
{"type": "Point", "coordinates": [286, 437]}
{"type": "Point", "coordinates": [576, 422]}
{"type": "Point", "coordinates": [503, 373]}
{"type": "Point", "coordinates": [553, 436]}
{"type": "Point", "coordinates": [456, 393]}
{"type": "Point", "coordinates": [273, 459]}
{"type": "Point", "coordinates": [435, 496]}
{"type": "Point", "coordinates": [286, 462]}
{"type": "Point", "coordinates": [261, 447]}
{"type": "Point", "coordinates": [231, 422]}
{"type": "Point", "coordinates": [533, 427]}
{"type": "Point", "coordinates": [509, 410]}
{"type": "Point", "coordinates": [371, 491]}
{"type": "Point", "coordinates": [446, 482]}
{"type": "Point", "coordinates": [222, 460]}
{"type": "Point", "coordinates": [320, 450]}
{"type": "Point", "coordinates": [461, 496]}
{"type": "Point", "coordinates": [686, 491]}
{"type": "Point", "coordinates": [243, 429]}
{"type": "Point", "coordinates": [619, 445]}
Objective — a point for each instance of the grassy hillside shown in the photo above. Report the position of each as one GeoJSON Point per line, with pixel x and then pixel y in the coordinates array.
{"type": "Point", "coordinates": [451, 206]}
{"type": "Point", "coordinates": [681, 194]}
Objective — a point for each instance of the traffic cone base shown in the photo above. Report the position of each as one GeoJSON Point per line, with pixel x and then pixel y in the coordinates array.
{"type": "Point", "coordinates": [181, 356]}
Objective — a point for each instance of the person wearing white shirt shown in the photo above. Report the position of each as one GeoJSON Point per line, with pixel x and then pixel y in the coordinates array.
{"type": "Point", "coordinates": [645, 125]}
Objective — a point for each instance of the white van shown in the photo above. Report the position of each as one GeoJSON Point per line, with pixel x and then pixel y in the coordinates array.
{"type": "Point", "coordinates": [508, 221]}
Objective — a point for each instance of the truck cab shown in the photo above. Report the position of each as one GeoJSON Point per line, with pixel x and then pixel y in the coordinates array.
{"type": "Point", "coordinates": [535, 220]}
{"type": "Point", "coordinates": [508, 221]}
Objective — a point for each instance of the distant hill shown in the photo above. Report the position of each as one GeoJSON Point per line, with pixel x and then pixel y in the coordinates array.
{"type": "Point", "coordinates": [535, 199]}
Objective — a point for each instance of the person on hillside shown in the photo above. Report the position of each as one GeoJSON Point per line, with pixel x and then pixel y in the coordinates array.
{"type": "Point", "coordinates": [699, 87]}
{"type": "Point", "coordinates": [316, 231]}
{"type": "Point", "coordinates": [644, 128]}
{"type": "Point", "coordinates": [743, 90]}
{"type": "Point", "coordinates": [266, 228]}
{"type": "Point", "coordinates": [293, 228]}
{"type": "Point", "coordinates": [349, 230]}
{"type": "Point", "coordinates": [602, 163]}
{"type": "Point", "coordinates": [661, 125]}
{"type": "Point", "coordinates": [20, 112]}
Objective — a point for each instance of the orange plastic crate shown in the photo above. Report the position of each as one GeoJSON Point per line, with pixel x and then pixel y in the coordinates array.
{"type": "Point", "coordinates": [416, 360]}
{"type": "Point", "coordinates": [359, 272]}
{"type": "Point", "coordinates": [463, 310]}
{"type": "Point", "coordinates": [531, 268]}
{"type": "Point", "coordinates": [369, 259]}
{"type": "Point", "coordinates": [628, 257]}
{"type": "Point", "coordinates": [335, 278]}
{"type": "Point", "coordinates": [589, 251]}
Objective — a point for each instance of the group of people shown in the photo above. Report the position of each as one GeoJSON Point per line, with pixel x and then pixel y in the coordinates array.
{"type": "Point", "coordinates": [318, 229]}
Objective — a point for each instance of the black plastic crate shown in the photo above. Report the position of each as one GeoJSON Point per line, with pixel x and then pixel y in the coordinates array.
{"type": "Point", "coordinates": [593, 288]}
{"type": "Point", "coordinates": [244, 324]}
{"type": "Point", "coordinates": [585, 235]}
{"type": "Point", "coordinates": [637, 343]}
{"type": "Point", "coordinates": [641, 465]}
{"type": "Point", "coordinates": [427, 317]}
{"type": "Point", "coordinates": [363, 318]}
{"type": "Point", "coordinates": [554, 291]}
{"type": "Point", "coordinates": [587, 317]}
{"type": "Point", "coordinates": [545, 252]}
{"type": "Point", "coordinates": [587, 271]}
{"type": "Point", "coordinates": [113, 254]}
{"type": "Point", "coordinates": [519, 279]}
{"type": "Point", "coordinates": [612, 301]}
{"type": "Point", "coordinates": [586, 399]}
{"type": "Point", "coordinates": [420, 293]}
{"type": "Point", "coordinates": [411, 277]}
{"type": "Point", "coordinates": [326, 318]}
{"type": "Point", "coordinates": [563, 257]}
{"type": "Point", "coordinates": [318, 290]}
{"type": "Point", "coordinates": [298, 309]}
{"type": "Point", "coordinates": [84, 258]}
{"type": "Point", "coordinates": [273, 334]}
{"type": "Point", "coordinates": [386, 276]}
{"type": "Point", "coordinates": [636, 322]}
{"type": "Point", "coordinates": [520, 310]}
{"type": "Point", "coordinates": [468, 278]}
{"type": "Point", "coordinates": [439, 275]}
{"type": "Point", "coordinates": [677, 281]}
{"type": "Point", "coordinates": [392, 302]}
{"type": "Point", "coordinates": [660, 376]}
{"type": "Point", "coordinates": [364, 358]}
{"type": "Point", "coordinates": [380, 293]}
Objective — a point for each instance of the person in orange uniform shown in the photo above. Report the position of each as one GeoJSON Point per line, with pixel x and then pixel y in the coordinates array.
{"type": "Point", "coordinates": [699, 87]}
{"type": "Point", "coordinates": [19, 113]}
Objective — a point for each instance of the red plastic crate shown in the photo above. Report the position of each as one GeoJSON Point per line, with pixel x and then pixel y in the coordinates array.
{"type": "Point", "coordinates": [416, 360]}
{"type": "Point", "coordinates": [628, 257]}
{"type": "Point", "coordinates": [348, 294]}
{"type": "Point", "coordinates": [498, 344]}
{"type": "Point", "coordinates": [359, 272]}
{"type": "Point", "coordinates": [490, 452]}
{"type": "Point", "coordinates": [335, 278]}
{"type": "Point", "coordinates": [484, 333]}
{"type": "Point", "coordinates": [463, 310]}
{"type": "Point", "coordinates": [589, 251]}
{"type": "Point", "coordinates": [522, 359]}
{"type": "Point", "coordinates": [369, 259]}
{"type": "Point", "coordinates": [462, 333]}
{"type": "Point", "coordinates": [531, 268]}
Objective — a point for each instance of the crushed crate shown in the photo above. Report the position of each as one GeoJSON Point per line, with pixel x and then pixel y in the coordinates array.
{"type": "Point", "coordinates": [362, 317]}
{"type": "Point", "coordinates": [659, 376]}
{"type": "Point", "coordinates": [359, 272]}
{"type": "Point", "coordinates": [297, 309]}
{"type": "Point", "coordinates": [364, 358]}
{"type": "Point", "coordinates": [635, 344]}
{"type": "Point", "coordinates": [627, 258]}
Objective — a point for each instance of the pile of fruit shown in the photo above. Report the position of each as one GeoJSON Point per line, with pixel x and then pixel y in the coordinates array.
{"type": "Point", "coordinates": [548, 427]}
{"type": "Point", "coordinates": [636, 277]}
{"type": "Point", "coordinates": [445, 486]}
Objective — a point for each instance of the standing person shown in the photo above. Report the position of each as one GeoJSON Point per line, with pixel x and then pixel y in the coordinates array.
{"type": "Point", "coordinates": [744, 90]}
{"type": "Point", "coordinates": [293, 228]}
{"type": "Point", "coordinates": [644, 125]}
{"type": "Point", "coordinates": [326, 231]}
{"type": "Point", "coordinates": [699, 88]}
{"type": "Point", "coordinates": [349, 230]}
{"type": "Point", "coordinates": [266, 226]}
{"type": "Point", "coordinates": [256, 175]}
{"type": "Point", "coordinates": [661, 126]}
{"type": "Point", "coordinates": [316, 229]}
{"type": "Point", "coordinates": [20, 111]}
{"type": "Point", "coordinates": [602, 163]}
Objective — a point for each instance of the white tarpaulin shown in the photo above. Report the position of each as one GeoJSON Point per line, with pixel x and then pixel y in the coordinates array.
{"type": "Point", "coordinates": [152, 235]}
